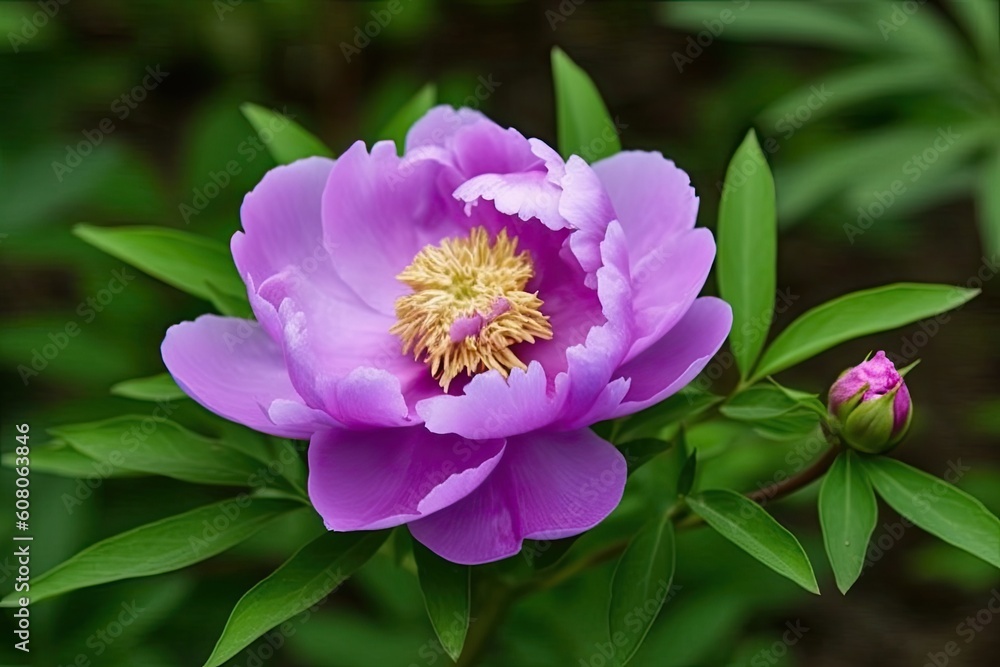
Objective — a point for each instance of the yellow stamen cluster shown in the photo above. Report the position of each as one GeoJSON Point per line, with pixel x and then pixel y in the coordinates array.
{"type": "Point", "coordinates": [468, 306]}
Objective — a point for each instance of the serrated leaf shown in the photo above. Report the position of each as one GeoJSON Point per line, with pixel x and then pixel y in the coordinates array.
{"type": "Point", "coordinates": [584, 126]}
{"type": "Point", "coordinates": [848, 514]}
{"type": "Point", "coordinates": [933, 504]}
{"type": "Point", "coordinates": [302, 581]}
{"type": "Point", "coordinates": [641, 584]}
{"type": "Point", "coordinates": [162, 546]}
{"type": "Point", "coordinates": [285, 139]}
{"type": "Point", "coordinates": [154, 388]}
{"type": "Point", "coordinates": [747, 525]}
{"type": "Point", "coordinates": [447, 590]}
{"type": "Point", "coordinates": [748, 243]}
{"type": "Point", "coordinates": [401, 122]}
{"type": "Point", "coordinates": [855, 315]}
{"type": "Point", "coordinates": [185, 261]}
{"type": "Point", "coordinates": [161, 447]}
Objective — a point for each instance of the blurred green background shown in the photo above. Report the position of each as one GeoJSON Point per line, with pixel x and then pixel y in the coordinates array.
{"type": "Point", "coordinates": [848, 99]}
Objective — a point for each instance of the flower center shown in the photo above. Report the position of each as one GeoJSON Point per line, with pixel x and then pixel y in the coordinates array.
{"type": "Point", "coordinates": [468, 306]}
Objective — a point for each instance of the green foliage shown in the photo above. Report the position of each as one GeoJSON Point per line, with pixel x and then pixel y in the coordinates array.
{"type": "Point", "coordinates": [938, 507]}
{"type": "Point", "coordinates": [584, 125]}
{"type": "Point", "coordinates": [397, 127]}
{"type": "Point", "coordinates": [447, 591]}
{"type": "Point", "coordinates": [848, 514]}
{"type": "Point", "coordinates": [747, 525]}
{"type": "Point", "coordinates": [748, 250]}
{"type": "Point", "coordinates": [303, 581]}
{"type": "Point", "coordinates": [286, 140]}
{"type": "Point", "coordinates": [154, 388]}
{"type": "Point", "coordinates": [858, 314]}
{"type": "Point", "coordinates": [640, 586]}
{"type": "Point", "coordinates": [188, 262]}
{"type": "Point", "coordinates": [165, 545]}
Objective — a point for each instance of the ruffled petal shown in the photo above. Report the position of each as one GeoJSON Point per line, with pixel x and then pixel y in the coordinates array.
{"type": "Point", "coordinates": [377, 216]}
{"type": "Point", "coordinates": [282, 227]}
{"type": "Point", "coordinates": [233, 368]}
{"type": "Point", "coordinates": [676, 358]}
{"type": "Point", "coordinates": [366, 480]}
{"type": "Point", "coordinates": [547, 486]}
{"type": "Point", "coordinates": [652, 198]}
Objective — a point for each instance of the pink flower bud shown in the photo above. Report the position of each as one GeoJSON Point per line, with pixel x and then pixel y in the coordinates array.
{"type": "Point", "coordinates": [872, 403]}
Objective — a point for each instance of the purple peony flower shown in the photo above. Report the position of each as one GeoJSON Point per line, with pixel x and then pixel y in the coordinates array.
{"type": "Point", "coordinates": [873, 405]}
{"type": "Point", "coordinates": [444, 327]}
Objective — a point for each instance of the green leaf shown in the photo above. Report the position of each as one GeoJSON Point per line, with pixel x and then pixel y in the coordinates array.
{"type": "Point", "coordinates": [585, 127]}
{"type": "Point", "coordinates": [640, 451]}
{"type": "Point", "coordinates": [685, 404]}
{"type": "Point", "coordinates": [154, 388]}
{"type": "Point", "coordinates": [230, 305]}
{"type": "Point", "coordinates": [799, 22]}
{"type": "Point", "coordinates": [988, 203]}
{"type": "Point", "coordinates": [162, 546]}
{"type": "Point", "coordinates": [856, 86]}
{"type": "Point", "coordinates": [748, 244]}
{"type": "Point", "coordinates": [747, 525]}
{"type": "Point", "coordinates": [408, 114]}
{"type": "Point", "coordinates": [640, 586]}
{"type": "Point", "coordinates": [58, 458]}
{"type": "Point", "coordinates": [447, 594]}
{"type": "Point", "coordinates": [759, 402]}
{"type": "Point", "coordinates": [979, 19]}
{"type": "Point", "coordinates": [855, 315]}
{"type": "Point", "coordinates": [848, 514]}
{"type": "Point", "coordinates": [185, 261]}
{"type": "Point", "coordinates": [285, 139]}
{"type": "Point", "coordinates": [161, 447]}
{"type": "Point", "coordinates": [941, 509]}
{"type": "Point", "coordinates": [304, 580]}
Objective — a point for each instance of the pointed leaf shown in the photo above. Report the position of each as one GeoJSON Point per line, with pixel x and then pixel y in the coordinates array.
{"type": "Point", "coordinates": [154, 388]}
{"type": "Point", "coordinates": [941, 509]}
{"type": "Point", "coordinates": [848, 514]}
{"type": "Point", "coordinates": [855, 315]}
{"type": "Point", "coordinates": [747, 525]}
{"type": "Point", "coordinates": [302, 581]}
{"type": "Point", "coordinates": [748, 250]}
{"type": "Point", "coordinates": [447, 594]}
{"type": "Point", "coordinates": [285, 139]}
{"type": "Point", "coordinates": [161, 447]}
{"type": "Point", "coordinates": [640, 586]}
{"type": "Point", "coordinates": [185, 261]}
{"type": "Point", "coordinates": [58, 458]}
{"type": "Point", "coordinates": [162, 546]}
{"type": "Point", "coordinates": [397, 127]}
{"type": "Point", "coordinates": [585, 127]}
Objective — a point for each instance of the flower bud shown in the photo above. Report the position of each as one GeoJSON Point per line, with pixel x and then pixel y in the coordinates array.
{"type": "Point", "coordinates": [872, 404]}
